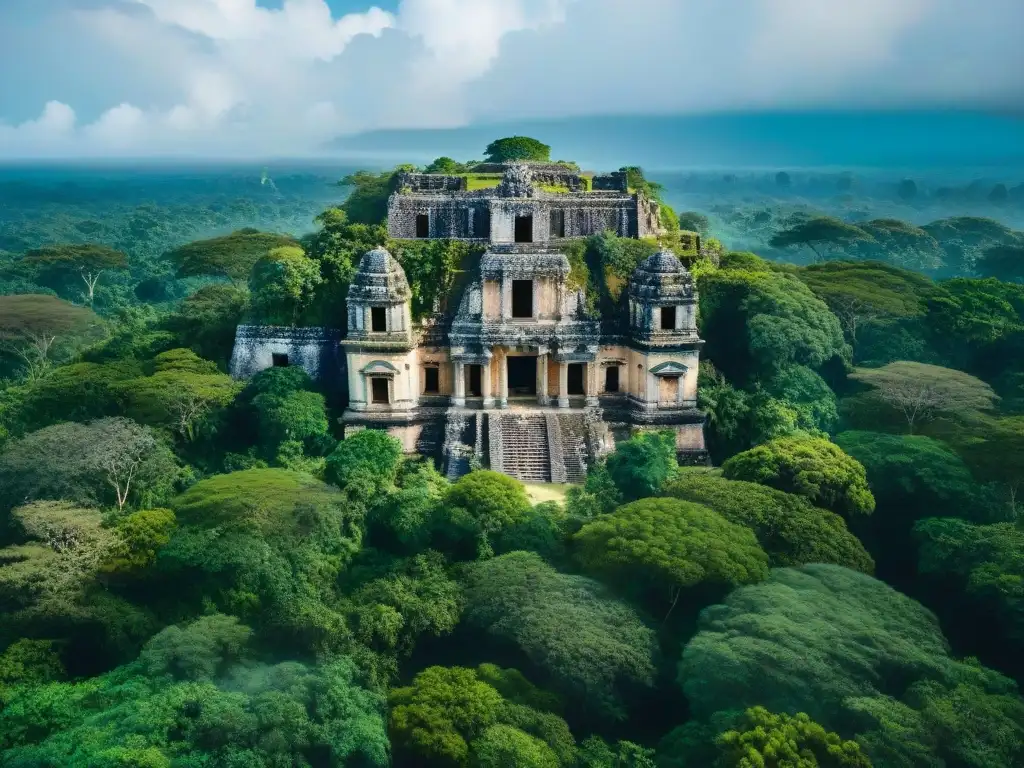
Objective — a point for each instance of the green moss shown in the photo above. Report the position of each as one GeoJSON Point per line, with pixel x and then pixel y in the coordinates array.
{"type": "Point", "coordinates": [482, 180]}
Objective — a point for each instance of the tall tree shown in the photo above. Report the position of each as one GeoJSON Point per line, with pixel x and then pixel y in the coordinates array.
{"type": "Point", "coordinates": [664, 547]}
{"type": "Point", "coordinates": [517, 148]}
{"type": "Point", "coordinates": [231, 256]}
{"type": "Point", "coordinates": [811, 467]}
{"type": "Point", "coordinates": [88, 262]}
{"type": "Point", "coordinates": [31, 325]}
{"type": "Point", "coordinates": [920, 391]}
{"type": "Point", "coordinates": [866, 292]}
{"type": "Point", "coordinates": [822, 234]}
{"type": "Point", "coordinates": [282, 284]}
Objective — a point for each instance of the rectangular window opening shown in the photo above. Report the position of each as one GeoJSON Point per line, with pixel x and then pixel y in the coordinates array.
{"type": "Point", "coordinates": [431, 380]}
{"type": "Point", "coordinates": [557, 223]}
{"type": "Point", "coordinates": [575, 376]}
{"type": "Point", "coordinates": [668, 318]}
{"type": "Point", "coordinates": [474, 385]}
{"type": "Point", "coordinates": [611, 378]}
{"type": "Point", "coordinates": [522, 298]}
{"type": "Point", "coordinates": [378, 320]}
{"type": "Point", "coordinates": [379, 389]}
{"type": "Point", "coordinates": [422, 225]}
{"type": "Point", "coordinates": [279, 360]}
{"type": "Point", "coordinates": [524, 229]}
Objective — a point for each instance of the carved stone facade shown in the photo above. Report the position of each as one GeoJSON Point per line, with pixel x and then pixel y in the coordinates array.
{"type": "Point", "coordinates": [523, 378]}
{"type": "Point", "coordinates": [520, 378]}
{"type": "Point", "coordinates": [519, 209]}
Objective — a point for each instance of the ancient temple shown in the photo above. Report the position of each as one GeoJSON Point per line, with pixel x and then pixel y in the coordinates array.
{"type": "Point", "coordinates": [522, 379]}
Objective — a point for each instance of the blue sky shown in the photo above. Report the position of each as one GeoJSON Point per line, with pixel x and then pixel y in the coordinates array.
{"type": "Point", "coordinates": [284, 77]}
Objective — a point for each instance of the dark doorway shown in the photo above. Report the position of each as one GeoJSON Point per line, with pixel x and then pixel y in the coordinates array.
{"type": "Point", "coordinates": [575, 378]}
{"type": "Point", "coordinates": [668, 318]}
{"type": "Point", "coordinates": [431, 380]}
{"type": "Point", "coordinates": [379, 388]}
{"type": "Point", "coordinates": [524, 229]}
{"type": "Point", "coordinates": [422, 225]}
{"type": "Point", "coordinates": [522, 375]}
{"type": "Point", "coordinates": [279, 360]}
{"type": "Point", "coordinates": [378, 320]}
{"type": "Point", "coordinates": [473, 385]}
{"type": "Point", "coordinates": [522, 298]}
{"type": "Point", "coordinates": [557, 223]}
{"type": "Point", "coordinates": [611, 378]}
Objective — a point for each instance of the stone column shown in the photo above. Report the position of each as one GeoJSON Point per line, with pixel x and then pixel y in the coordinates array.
{"type": "Point", "coordinates": [504, 289]}
{"type": "Point", "coordinates": [459, 401]}
{"type": "Point", "coordinates": [503, 380]}
{"type": "Point", "coordinates": [563, 384]}
{"type": "Point", "coordinates": [590, 383]}
{"type": "Point", "coordinates": [485, 385]}
{"type": "Point", "coordinates": [542, 386]}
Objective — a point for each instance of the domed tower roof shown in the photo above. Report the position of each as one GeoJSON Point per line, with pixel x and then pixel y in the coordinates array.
{"type": "Point", "coordinates": [380, 279]}
{"type": "Point", "coordinates": [661, 278]}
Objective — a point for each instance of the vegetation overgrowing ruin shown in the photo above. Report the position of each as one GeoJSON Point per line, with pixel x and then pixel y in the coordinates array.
{"type": "Point", "coordinates": [195, 569]}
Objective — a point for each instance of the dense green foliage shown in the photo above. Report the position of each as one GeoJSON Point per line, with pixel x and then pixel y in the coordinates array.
{"type": "Point", "coordinates": [198, 571]}
{"type": "Point", "coordinates": [517, 148]}
{"type": "Point", "coordinates": [807, 466]}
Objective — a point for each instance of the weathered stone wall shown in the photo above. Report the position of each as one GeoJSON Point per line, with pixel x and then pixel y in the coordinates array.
{"type": "Point", "coordinates": [315, 350]}
{"type": "Point", "coordinates": [457, 218]}
{"type": "Point", "coordinates": [471, 216]}
{"type": "Point", "coordinates": [431, 182]}
{"type": "Point", "coordinates": [615, 181]}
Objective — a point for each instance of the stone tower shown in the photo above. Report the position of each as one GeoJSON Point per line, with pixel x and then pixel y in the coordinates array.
{"type": "Point", "coordinates": [383, 378]}
{"type": "Point", "coordinates": [665, 348]}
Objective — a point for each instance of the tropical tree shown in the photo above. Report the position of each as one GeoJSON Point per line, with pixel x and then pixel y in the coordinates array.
{"type": "Point", "coordinates": [88, 262]}
{"type": "Point", "coordinates": [517, 148]}
{"type": "Point", "coordinates": [455, 716]}
{"type": "Point", "coordinates": [998, 456]}
{"type": "Point", "coordinates": [663, 547]}
{"type": "Point", "coordinates": [693, 221]}
{"type": "Point", "coordinates": [111, 460]}
{"type": "Point", "coordinates": [195, 696]}
{"type": "Point", "coordinates": [788, 527]}
{"type": "Point", "coordinates": [593, 647]}
{"type": "Point", "coordinates": [267, 544]}
{"type": "Point", "coordinates": [809, 466]}
{"type": "Point", "coordinates": [640, 465]}
{"type": "Point", "coordinates": [756, 322]}
{"type": "Point", "coordinates": [964, 239]}
{"type": "Point", "coordinates": [67, 547]}
{"type": "Point", "coordinates": [479, 506]}
{"type": "Point", "coordinates": [32, 325]}
{"type": "Point", "coordinates": [867, 292]}
{"type": "Point", "coordinates": [920, 392]}
{"type": "Point", "coordinates": [821, 234]}
{"type": "Point", "coordinates": [367, 203]}
{"type": "Point", "coordinates": [231, 256]}
{"type": "Point", "coordinates": [899, 243]}
{"type": "Point", "coordinates": [854, 655]}
{"type": "Point", "coordinates": [763, 738]}
{"type": "Point", "coordinates": [282, 284]}
{"type": "Point", "coordinates": [181, 393]}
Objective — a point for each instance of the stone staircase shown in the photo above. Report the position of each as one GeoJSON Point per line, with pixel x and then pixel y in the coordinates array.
{"type": "Point", "coordinates": [575, 451]}
{"type": "Point", "coordinates": [525, 454]}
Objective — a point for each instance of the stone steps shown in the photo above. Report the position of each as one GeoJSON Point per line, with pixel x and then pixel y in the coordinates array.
{"type": "Point", "coordinates": [524, 447]}
{"type": "Point", "coordinates": [574, 445]}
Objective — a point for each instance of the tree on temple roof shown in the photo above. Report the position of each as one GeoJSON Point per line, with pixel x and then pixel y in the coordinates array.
{"type": "Point", "coordinates": [517, 148]}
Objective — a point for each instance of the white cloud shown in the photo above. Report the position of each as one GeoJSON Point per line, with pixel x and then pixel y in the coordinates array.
{"type": "Point", "coordinates": [231, 77]}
